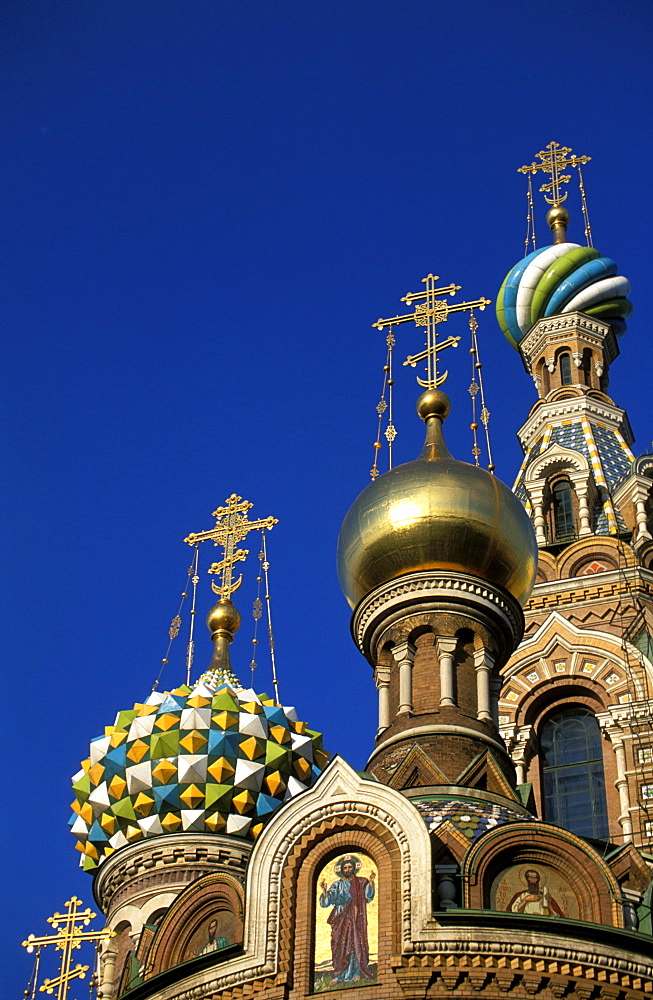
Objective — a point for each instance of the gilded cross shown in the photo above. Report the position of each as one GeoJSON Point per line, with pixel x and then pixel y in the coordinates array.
{"type": "Point", "coordinates": [68, 937]}
{"type": "Point", "coordinates": [231, 526]}
{"type": "Point", "coordinates": [429, 311]}
{"type": "Point", "coordinates": [554, 159]}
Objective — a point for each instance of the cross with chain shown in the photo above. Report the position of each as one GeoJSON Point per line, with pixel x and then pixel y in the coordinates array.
{"type": "Point", "coordinates": [554, 159]}
{"type": "Point", "coordinates": [231, 526]}
{"type": "Point", "coordinates": [67, 938]}
{"type": "Point", "coordinates": [428, 313]}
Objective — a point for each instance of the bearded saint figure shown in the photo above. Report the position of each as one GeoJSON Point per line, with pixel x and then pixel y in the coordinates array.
{"type": "Point", "coordinates": [535, 898]}
{"type": "Point", "coordinates": [349, 896]}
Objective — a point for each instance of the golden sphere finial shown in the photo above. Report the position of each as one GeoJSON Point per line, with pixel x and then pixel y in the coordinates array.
{"type": "Point", "coordinates": [433, 403]}
{"type": "Point", "coordinates": [223, 619]}
{"type": "Point", "coordinates": [558, 219]}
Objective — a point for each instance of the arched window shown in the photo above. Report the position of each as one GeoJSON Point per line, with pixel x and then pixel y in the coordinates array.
{"type": "Point", "coordinates": [572, 771]}
{"type": "Point", "coordinates": [565, 369]}
{"type": "Point", "coordinates": [563, 511]}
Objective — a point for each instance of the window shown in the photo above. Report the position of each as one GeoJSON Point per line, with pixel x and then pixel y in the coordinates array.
{"type": "Point", "coordinates": [563, 510]}
{"type": "Point", "coordinates": [646, 792]}
{"type": "Point", "coordinates": [565, 369]}
{"type": "Point", "coordinates": [573, 780]}
{"type": "Point", "coordinates": [645, 755]}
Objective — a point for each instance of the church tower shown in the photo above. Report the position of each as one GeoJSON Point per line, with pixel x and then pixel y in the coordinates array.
{"type": "Point", "coordinates": [576, 701]}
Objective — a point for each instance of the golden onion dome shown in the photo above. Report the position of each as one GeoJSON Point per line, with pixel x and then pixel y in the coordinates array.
{"type": "Point", "coordinates": [436, 514]}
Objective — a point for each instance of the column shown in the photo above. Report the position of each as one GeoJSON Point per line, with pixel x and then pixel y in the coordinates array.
{"type": "Point", "coordinates": [581, 484]}
{"type": "Point", "coordinates": [496, 683]}
{"type": "Point", "coordinates": [640, 514]}
{"type": "Point", "coordinates": [621, 784]}
{"type": "Point", "coordinates": [446, 648]}
{"type": "Point", "coordinates": [614, 731]}
{"type": "Point", "coordinates": [404, 657]}
{"type": "Point", "coordinates": [536, 496]}
{"type": "Point", "coordinates": [382, 680]}
{"type": "Point", "coordinates": [483, 661]}
{"type": "Point", "coordinates": [584, 512]}
{"type": "Point", "coordinates": [107, 987]}
{"type": "Point", "coordinates": [521, 749]}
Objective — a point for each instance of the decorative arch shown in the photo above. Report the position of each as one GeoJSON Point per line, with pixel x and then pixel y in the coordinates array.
{"type": "Point", "coordinates": [548, 849]}
{"type": "Point", "coordinates": [217, 895]}
{"type": "Point", "coordinates": [556, 458]}
{"type": "Point", "coordinates": [342, 809]}
{"type": "Point", "coordinates": [606, 552]}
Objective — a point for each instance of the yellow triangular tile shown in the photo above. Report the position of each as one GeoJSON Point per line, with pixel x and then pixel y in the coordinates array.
{"type": "Point", "coordinates": [225, 720]}
{"type": "Point", "coordinates": [215, 822]}
{"type": "Point", "coordinates": [197, 701]}
{"type": "Point", "coordinates": [193, 742]}
{"type": "Point", "coordinates": [243, 802]}
{"type": "Point", "coordinates": [166, 722]}
{"type": "Point", "coordinates": [221, 770]}
{"type": "Point", "coordinates": [164, 772]}
{"type": "Point", "coordinates": [138, 750]}
{"type": "Point", "coordinates": [192, 797]}
{"type": "Point", "coordinates": [95, 773]}
{"type": "Point", "coordinates": [143, 804]}
{"type": "Point", "coordinates": [170, 822]}
{"type": "Point", "coordinates": [117, 787]}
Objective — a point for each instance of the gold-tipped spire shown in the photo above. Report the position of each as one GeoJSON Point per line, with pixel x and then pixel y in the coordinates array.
{"type": "Point", "coordinates": [554, 159]}
{"type": "Point", "coordinates": [231, 527]}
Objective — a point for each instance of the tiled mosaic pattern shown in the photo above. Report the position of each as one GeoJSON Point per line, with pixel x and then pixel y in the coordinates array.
{"type": "Point", "coordinates": [212, 758]}
{"type": "Point", "coordinates": [473, 819]}
{"type": "Point", "coordinates": [609, 458]}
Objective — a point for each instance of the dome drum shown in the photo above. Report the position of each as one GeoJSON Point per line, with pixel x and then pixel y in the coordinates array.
{"type": "Point", "coordinates": [427, 591]}
{"type": "Point", "coordinates": [161, 865]}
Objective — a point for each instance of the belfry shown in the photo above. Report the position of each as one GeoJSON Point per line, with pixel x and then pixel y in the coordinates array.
{"type": "Point", "coordinates": [499, 841]}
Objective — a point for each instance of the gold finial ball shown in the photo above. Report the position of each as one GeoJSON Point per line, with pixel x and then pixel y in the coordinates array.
{"type": "Point", "coordinates": [433, 403]}
{"type": "Point", "coordinates": [557, 216]}
{"type": "Point", "coordinates": [223, 617]}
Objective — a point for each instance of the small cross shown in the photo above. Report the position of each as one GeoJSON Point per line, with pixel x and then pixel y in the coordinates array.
{"type": "Point", "coordinates": [67, 938]}
{"type": "Point", "coordinates": [429, 313]}
{"type": "Point", "coordinates": [554, 159]}
{"type": "Point", "coordinates": [231, 526]}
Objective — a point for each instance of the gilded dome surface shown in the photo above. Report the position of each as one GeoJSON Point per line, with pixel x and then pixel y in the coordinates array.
{"type": "Point", "coordinates": [436, 514]}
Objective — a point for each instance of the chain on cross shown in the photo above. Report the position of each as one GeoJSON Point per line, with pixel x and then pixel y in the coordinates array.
{"type": "Point", "coordinates": [68, 937]}
{"type": "Point", "coordinates": [429, 312]}
{"type": "Point", "coordinates": [231, 527]}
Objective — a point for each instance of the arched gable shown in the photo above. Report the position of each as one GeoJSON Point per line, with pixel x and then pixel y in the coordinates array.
{"type": "Point", "coordinates": [548, 849]}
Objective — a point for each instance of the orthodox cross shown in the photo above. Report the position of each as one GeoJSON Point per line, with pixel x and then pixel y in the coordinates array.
{"type": "Point", "coordinates": [428, 313]}
{"type": "Point", "coordinates": [231, 526]}
{"type": "Point", "coordinates": [554, 159]}
{"type": "Point", "coordinates": [67, 938]}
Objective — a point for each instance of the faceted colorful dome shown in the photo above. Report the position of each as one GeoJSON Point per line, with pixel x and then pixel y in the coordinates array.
{"type": "Point", "coordinates": [562, 278]}
{"type": "Point", "coordinates": [211, 758]}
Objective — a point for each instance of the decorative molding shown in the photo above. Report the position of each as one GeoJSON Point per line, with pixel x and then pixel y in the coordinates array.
{"type": "Point", "coordinates": [557, 411]}
{"type": "Point", "coordinates": [434, 590]}
{"type": "Point", "coordinates": [178, 859]}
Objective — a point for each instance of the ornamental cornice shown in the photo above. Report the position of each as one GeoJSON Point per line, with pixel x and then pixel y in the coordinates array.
{"type": "Point", "coordinates": [484, 955]}
{"type": "Point", "coordinates": [558, 411]}
{"type": "Point", "coordinates": [598, 585]}
{"type": "Point", "coordinates": [195, 852]}
{"type": "Point", "coordinates": [433, 590]}
{"type": "Point", "coordinates": [557, 328]}
{"type": "Point", "coordinates": [542, 946]}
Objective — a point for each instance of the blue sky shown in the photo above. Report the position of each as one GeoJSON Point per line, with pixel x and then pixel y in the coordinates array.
{"type": "Point", "coordinates": [204, 207]}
